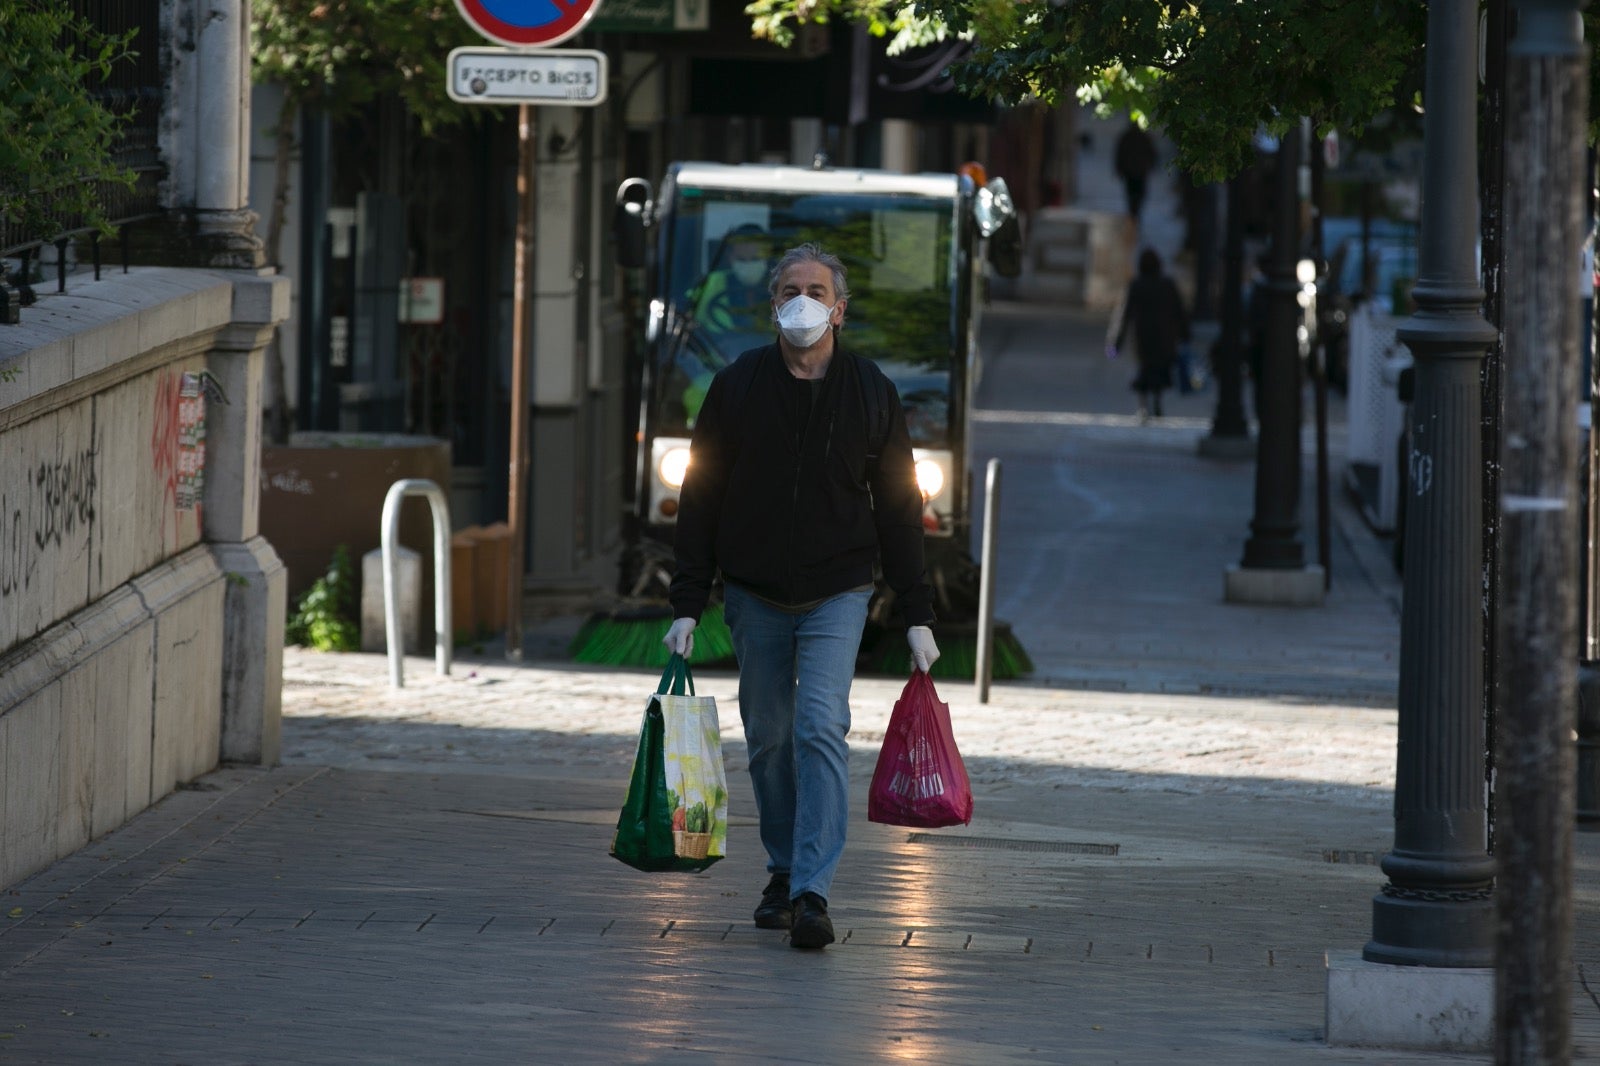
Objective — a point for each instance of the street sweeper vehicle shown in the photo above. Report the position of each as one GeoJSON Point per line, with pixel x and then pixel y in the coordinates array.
{"type": "Point", "coordinates": [918, 248]}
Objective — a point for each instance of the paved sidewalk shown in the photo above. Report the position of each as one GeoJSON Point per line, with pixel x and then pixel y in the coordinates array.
{"type": "Point", "coordinates": [1147, 880]}
{"type": "Point", "coordinates": [1157, 864]}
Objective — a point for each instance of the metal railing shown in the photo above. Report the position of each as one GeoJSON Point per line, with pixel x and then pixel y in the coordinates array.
{"type": "Point", "coordinates": [134, 90]}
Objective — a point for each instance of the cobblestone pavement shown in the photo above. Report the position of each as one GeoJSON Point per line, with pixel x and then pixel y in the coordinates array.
{"type": "Point", "coordinates": [341, 711]}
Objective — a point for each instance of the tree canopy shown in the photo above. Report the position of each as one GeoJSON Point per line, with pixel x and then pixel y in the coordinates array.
{"type": "Point", "coordinates": [56, 136]}
{"type": "Point", "coordinates": [1211, 73]}
{"type": "Point", "coordinates": [336, 55]}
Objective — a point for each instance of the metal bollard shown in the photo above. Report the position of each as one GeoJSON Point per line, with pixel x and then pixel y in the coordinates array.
{"type": "Point", "coordinates": [991, 519]}
{"type": "Point", "coordinates": [394, 638]}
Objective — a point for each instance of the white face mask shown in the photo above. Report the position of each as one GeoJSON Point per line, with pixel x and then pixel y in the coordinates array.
{"type": "Point", "coordinates": [749, 271]}
{"type": "Point", "coordinates": [803, 321]}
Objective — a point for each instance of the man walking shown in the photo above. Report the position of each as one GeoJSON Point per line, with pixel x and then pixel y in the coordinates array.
{"type": "Point", "coordinates": [800, 477]}
{"type": "Point", "coordinates": [1134, 160]}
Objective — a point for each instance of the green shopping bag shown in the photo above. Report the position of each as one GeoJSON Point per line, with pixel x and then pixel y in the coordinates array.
{"type": "Point", "coordinates": [676, 813]}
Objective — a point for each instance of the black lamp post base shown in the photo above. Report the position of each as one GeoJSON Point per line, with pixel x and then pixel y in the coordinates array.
{"type": "Point", "coordinates": [1413, 930]}
{"type": "Point", "coordinates": [1227, 446]}
{"type": "Point", "coordinates": [1303, 586]}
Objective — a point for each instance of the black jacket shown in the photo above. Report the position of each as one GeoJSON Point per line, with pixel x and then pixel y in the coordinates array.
{"type": "Point", "coordinates": [796, 513]}
{"type": "Point", "coordinates": [1153, 310]}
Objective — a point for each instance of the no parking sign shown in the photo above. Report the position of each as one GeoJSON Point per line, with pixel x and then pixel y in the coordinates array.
{"type": "Point", "coordinates": [527, 23]}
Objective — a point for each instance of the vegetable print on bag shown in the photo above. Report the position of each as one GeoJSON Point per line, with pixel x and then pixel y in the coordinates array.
{"type": "Point", "coordinates": [675, 816]}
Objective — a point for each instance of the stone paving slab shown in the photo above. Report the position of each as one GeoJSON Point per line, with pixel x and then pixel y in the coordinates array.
{"type": "Point", "coordinates": [401, 929]}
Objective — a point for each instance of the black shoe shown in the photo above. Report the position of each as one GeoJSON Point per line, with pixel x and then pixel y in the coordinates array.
{"type": "Point", "coordinates": [812, 926]}
{"type": "Point", "coordinates": [776, 910]}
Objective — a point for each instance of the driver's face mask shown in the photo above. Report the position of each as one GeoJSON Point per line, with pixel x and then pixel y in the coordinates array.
{"type": "Point", "coordinates": [749, 271]}
{"type": "Point", "coordinates": [803, 321]}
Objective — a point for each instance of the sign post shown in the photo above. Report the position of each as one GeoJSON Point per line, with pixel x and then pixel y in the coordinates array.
{"type": "Point", "coordinates": [521, 341]}
{"type": "Point", "coordinates": [522, 74]}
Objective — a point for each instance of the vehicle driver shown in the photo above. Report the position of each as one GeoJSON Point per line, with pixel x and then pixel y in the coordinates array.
{"type": "Point", "coordinates": [732, 305]}
{"type": "Point", "coordinates": [734, 297]}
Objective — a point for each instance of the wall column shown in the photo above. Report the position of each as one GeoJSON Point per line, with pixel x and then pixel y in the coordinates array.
{"type": "Point", "coordinates": [257, 589]}
{"type": "Point", "coordinates": [205, 134]}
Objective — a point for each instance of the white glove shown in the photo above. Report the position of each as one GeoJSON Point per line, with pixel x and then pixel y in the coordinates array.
{"type": "Point", "coordinates": [680, 637]}
{"type": "Point", "coordinates": [924, 652]}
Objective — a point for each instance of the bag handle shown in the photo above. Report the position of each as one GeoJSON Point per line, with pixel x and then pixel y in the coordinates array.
{"type": "Point", "coordinates": [676, 680]}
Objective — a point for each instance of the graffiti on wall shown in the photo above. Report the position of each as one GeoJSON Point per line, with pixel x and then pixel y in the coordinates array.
{"type": "Point", "coordinates": [53, 505]}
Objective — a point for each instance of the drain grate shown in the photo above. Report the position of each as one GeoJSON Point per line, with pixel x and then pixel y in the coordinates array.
{"type": "Point", "coordinates": [1012, 844]}
{"type": "Point", "coordinates": [1356, 858]}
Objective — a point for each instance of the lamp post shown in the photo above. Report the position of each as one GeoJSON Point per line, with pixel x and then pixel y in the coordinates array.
{"type": "Point", "coordinates": [1273, 569]}
{"type": "Point", "coordinates": [1230, 433]}
{"type": "Point", "coordinates": [1274, 542]}
{"type": "Point", "coordinates": [1437, 908]}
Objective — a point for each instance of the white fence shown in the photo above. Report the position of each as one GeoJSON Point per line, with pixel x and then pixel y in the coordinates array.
{"type": "Point", "coordinates": [1376, 415]}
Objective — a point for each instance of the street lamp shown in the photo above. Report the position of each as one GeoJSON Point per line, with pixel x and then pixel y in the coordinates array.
{"type": "Point", "coordinates": [1274, 542]}
{"type": "Point", "coordinates": [1273, 569]}
{"type": "Point", "coordinates": [1437, 908]}
{"type": "Point", "coordinates": [1230, 433]}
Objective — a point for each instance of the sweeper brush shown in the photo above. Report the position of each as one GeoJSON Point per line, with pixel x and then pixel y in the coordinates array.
{"type": "Point", "coordinates": [958, 653]}
{"type": "Point", "coordinates": [631, 636]}
{"type": "Point", "coordinates": [955, 580]}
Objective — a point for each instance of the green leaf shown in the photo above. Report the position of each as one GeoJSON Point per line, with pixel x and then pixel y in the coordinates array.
{"type": "Point", "coordinates": [336, 55]}
{"type": "Point", "coordinates": [55, 136]}
{"type": "Point", "coordinates": [325, 617]}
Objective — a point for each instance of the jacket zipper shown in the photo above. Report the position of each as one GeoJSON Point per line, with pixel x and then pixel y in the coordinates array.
{"type": "Point", "coordinates": [794, 503]}
{"type": "Point", "coordinates": [794, 496]}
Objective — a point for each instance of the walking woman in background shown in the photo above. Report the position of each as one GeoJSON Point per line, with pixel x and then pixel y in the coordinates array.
{"type": "Point", "coordinates": [1154, 310]}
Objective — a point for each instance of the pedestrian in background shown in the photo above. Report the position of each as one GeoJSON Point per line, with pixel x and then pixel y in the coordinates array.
{"type": "Point", "coordinates": [793, 493]}
{"type": "Point", "coordinates": [1135, 158]}
{"type": "Point", "coordinates": [1153, 310]}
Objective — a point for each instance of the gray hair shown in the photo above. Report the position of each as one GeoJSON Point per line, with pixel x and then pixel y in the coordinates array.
{"type": "Point", "coordinates": [812, 253]}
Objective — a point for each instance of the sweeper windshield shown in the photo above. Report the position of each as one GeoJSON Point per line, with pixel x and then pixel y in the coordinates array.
{"type": "Point", "coordinates": [719, 249]}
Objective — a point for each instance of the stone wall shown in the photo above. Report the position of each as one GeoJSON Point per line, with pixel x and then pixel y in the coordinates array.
{"type": "Point", "coordinates": [141, 615]}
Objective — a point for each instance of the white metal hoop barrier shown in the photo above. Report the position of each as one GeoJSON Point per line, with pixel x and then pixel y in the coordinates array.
{"type": "Point", "coordinates": [394, 638]}
{"type": "Point", "coordinates": [984, 672]}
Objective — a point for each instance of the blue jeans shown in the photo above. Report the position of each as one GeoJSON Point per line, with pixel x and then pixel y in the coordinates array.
{"type": "Point", "coordinates": [795, 669]}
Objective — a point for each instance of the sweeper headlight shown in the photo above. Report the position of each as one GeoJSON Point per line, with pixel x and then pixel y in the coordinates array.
{"type": "Point", "coordinates": [669, 462]}
{"type": "Point", "coordinates": [672, 467]}
{"type": "Point", "coordinates": [934, 469]}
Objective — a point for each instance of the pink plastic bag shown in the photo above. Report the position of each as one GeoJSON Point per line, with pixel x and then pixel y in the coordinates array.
{"type": "Point", "coordinates": [920, 780]}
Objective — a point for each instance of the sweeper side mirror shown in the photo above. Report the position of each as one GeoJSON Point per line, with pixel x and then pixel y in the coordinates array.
{"type": "Point", "coordinates": [996, 215]}
{"type": "Point", "coordinates": [629, 221]}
